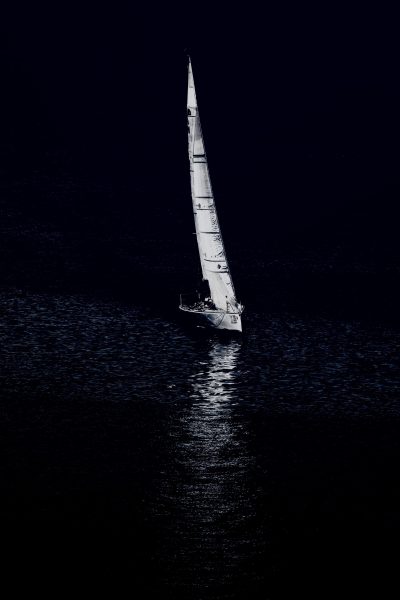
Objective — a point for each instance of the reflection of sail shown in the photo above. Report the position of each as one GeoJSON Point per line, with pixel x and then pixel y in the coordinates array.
{"type": "Point", "coordinates": [210, 494]}
{"type": "Point", "coordinates": [212, 392]}
{"type": "Point", "coordinates": [213, 383]}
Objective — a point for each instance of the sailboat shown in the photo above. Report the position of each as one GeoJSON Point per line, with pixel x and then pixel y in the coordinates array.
{"type": "Point", "coordinates": [217, 306]}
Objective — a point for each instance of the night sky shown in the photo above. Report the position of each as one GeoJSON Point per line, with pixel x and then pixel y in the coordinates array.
{"type": "Point", "coordinates": [299, 106]}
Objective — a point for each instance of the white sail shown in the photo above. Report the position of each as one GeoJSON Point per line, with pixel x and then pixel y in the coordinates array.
{"type": "Point", "coordinates": [213, 260]}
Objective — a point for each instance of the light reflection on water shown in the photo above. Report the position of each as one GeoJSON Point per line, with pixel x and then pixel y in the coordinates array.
{"type": "Point", "coordinates": [210, 490]}
{"type": "Point", "coordinates": [207, 456]}
{"type": "Point", "coordinates": [212, 393]}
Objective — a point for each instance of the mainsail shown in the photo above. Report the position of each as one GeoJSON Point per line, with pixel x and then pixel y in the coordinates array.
{"type": "Point", "coordinates": [213, 260]}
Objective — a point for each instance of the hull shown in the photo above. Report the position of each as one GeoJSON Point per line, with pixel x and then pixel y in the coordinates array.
{"type": "Point", "coordinates": [214, 319]}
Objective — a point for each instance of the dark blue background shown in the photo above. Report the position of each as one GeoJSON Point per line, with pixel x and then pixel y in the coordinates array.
{"type": "Point", "coordinates": [300, 114]}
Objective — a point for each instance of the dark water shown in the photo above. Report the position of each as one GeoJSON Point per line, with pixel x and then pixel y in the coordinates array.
{"type": "Point", "coordinates": [141, 454]}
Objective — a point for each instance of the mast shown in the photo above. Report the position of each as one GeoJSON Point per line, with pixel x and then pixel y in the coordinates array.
{"type": "Point", "coordinates": [214, 264]}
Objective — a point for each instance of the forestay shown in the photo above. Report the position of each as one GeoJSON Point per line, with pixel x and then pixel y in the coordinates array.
{"type": "Point", "coordinates": [211, 248]}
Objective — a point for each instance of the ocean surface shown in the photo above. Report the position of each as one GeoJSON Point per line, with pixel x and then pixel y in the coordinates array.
{"type": "Point", "coordinates": [142, 455]}
{"type": "Point", "coordinates": [139, 453]}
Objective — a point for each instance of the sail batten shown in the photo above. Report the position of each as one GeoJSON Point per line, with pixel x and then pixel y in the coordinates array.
{"type": "Point", "coordinates": [213, 259]}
